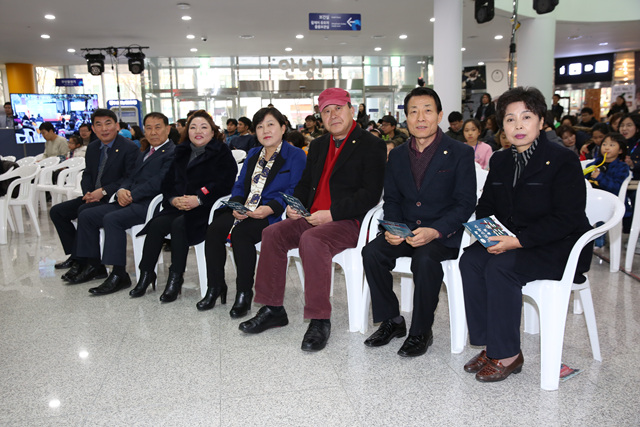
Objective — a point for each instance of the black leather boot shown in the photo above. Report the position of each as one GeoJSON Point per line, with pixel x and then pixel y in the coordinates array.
{"type": "Point", "coordinates": [146, 278]}
{"type": "Point", "coordinates": [241, 305]}
{"type": "Point", "coordinates": [174, 287]}
{"type": "Point", "coordinates": [209, 300]}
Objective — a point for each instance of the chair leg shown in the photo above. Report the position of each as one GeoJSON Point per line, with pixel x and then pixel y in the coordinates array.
{"type": "Point", "coordinates": [3, 224]}
{"type": "Point", "coordinates": [457, 316]}
{"type": "Point", "coordinates": [577, 305]}
{"type": "Point", "coordinates": [353, 277]}
{"type": "Point", "coordinates": [531, 317]}
{"type": "Point", "coordinates": [33, 213]}
{"type": "Point", "coordinates": [590, 318]}
{"type": "Point", "coordinates": [43, 200]}
{"type": "Point", "coordinates": [300, 271]}
{"type": "Point", "coordinates": [17, 213]}
{"type": "Point", "coordinates": [364, 306]}
{"type": "Point", "coordinates": [202, 268]}
{"type": "Point", "coordinates": [406, 293]}
{"type": "Point", "coordinates": [553, 318]}
{"type": "Point", "coordinates": [631, 246]}
{"type": "Point", "coordinates": [615, 245]}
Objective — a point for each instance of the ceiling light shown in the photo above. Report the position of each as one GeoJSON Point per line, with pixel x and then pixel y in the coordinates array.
{"type": "Point", "coordinates": [432, 20]}
{"type": "Point", "coordinates": [136, 62]}
{"type": "Point", "coordinates": [193, 49]}
{"type": "Point", "coordinates": [463, 49]}
{"type": "Point", "coordinates": [288, 49]}
{"type": "Point", "coordinates": [186, 18]}
{"type": "Point", "coordinates": [343, 43]}
{"type": "Point", "coordinates": [300, 36]}
{"type": "Point", "coordinates": [576, 37]}
{"type": "Point", "coordinates": [375, 37]}
{"type": "Point", "coordinates": [45, 36]}
{"type": "Point", "coordinates": [499, 37]}
{"type": "Point", "coordinates": [377, 49]}
{"type": "Point", "coordinates": [95, 63]}
{"type": "Point", "coordinates": [191, 36]}
{"type": "Point", "coordinates": [480, 63]}
{"type": "Point", "coordinates": [49, 16]}
{"type": "Point", "coordinates": [71, 50]}
{"type": "Point", "coordinates": [402, 36]}
{"type": "Point", "coordinates": [603, 44]}
{"type": "Point", "coordinates": [183, 6]}
{"type": "Point", "coordinates": [246, 36]}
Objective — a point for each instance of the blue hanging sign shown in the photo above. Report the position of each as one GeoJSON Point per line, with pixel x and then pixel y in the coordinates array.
{"type": "Point", "coordinates": [69, 82]}
{"type": "Point", "coordinates": [335, 21]}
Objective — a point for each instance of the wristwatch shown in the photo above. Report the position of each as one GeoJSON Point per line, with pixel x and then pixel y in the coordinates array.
{"type": "Point", "coordinates": [104, 192]}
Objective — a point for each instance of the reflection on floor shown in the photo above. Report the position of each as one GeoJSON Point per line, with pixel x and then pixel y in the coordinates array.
{"type": "Point", "coordinates": [71, 359]}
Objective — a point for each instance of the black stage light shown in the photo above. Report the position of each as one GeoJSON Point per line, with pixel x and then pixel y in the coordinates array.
{"type": "Point", "coordinates": [95, 63]}
{"type": "Point", "coordinates": [484, 11]}
{"type": "Point", "coordinates": [544, 6]}
{"type": "Point", "coordinates": [136, 62]}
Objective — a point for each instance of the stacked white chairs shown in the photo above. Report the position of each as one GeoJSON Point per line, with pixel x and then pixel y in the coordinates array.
{"type": "Point", "coordinates": [551, 297]}
{"type": "Point", "coordinates": [25, 175]}
{"type": "Point", "coordinates": [350, 260]}
{"type": "Point", "coordinates": [9, 158]}
{"type": "Point", "coordinates": [67, 180]}
{"type": "Point", "coordinates": [45, 180]}
{"type": "Point", "coordinates": [40, 157]}
{"type": "Point", "coordinates": [29, 160]}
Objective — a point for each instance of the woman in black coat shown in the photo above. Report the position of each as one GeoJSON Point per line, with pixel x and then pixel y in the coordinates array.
{"type": "Point", "coordinates": [202, 171]}
{"type": "Point", "coordinates": [485, 109]}
{"type": "Point", "coordinates": [536, 189]}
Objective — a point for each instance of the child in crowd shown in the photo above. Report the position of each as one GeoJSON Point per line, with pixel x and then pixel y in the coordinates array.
{"type": "Point", "coordinates": [611, 170]}
{"type": "Point", "coordinates": [591, 149]}
{"type": "Point", "coordinates": [483, 151]}
{"type": "Point", "coordinates": [76, 147]}
{"type": "Point", "coordinates": [568, 136]}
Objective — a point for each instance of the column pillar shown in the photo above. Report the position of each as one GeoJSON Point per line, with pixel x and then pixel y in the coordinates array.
{"type": "Point", "coordinates": [21, 78]}
{"type": "Point", "coordinates": [447, 56]}
{"type": "Point", "coordinates": [535, 47]}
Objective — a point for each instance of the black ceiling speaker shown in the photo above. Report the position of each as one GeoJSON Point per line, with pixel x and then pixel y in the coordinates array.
{"type": "Point", "coordinates": [544, 6]}
{"type": "Point", "coordinates": [484, 11]}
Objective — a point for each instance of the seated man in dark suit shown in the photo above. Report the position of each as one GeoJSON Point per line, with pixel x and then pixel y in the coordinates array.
{"type": "Point", "coordinates": [429, 185]}
{"type": "Point", "coordinates": [109, 160]}
{"type": "Point", "coordinates": [133, 198]}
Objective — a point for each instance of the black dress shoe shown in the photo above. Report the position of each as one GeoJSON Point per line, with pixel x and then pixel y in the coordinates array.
{"type": "Point", "coordinates": [266, 318]}
{"type": "Point", "coordinates": [241, 305]}
{"type": "Point", "coordinates": [386, 332]}
{"type": "Point", "coordinates": [209, 300]}
{"type": "Point", "coordinates": [76, 267]}
{"type": "Point", "coordinates": [89, 273]}
{"type": "Point", "coordinates": [317, 335]}
{"type": "Point", "coordinates": [146, 278]}
{"type": "Point", "coordinates": [174, 287]}
{"type": "Point", "coordinates": [64, 264]}
{"type": "Point", "coordinates": [416, 345]}
{"type": "Point", "coordinates": [113, 284]}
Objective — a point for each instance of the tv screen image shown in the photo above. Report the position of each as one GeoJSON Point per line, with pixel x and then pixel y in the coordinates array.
{"type": "Point", "coordinates": [66, 112]}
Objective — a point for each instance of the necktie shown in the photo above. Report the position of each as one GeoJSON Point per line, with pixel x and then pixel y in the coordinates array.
{"type": "Point", "coordinates": [103, 161]}
{"type": "Point", "coordinates": [150, 153]}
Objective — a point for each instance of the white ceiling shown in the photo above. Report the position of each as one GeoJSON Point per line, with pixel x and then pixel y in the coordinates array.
{"type": "Point", "coordinates": [274, 25]}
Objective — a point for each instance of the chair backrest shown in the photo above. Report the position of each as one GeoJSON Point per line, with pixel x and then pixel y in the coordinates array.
{"type": "Point", "coordinates": [239, 155]}
{"type": "Point", "coordinates": [73, 162]}
{"type": "Point", "coordinates": [481, 178]}
{"type": "Point", "coordinates": [218, 203]}
{"type": "Point", "coordinates": [49, 161]}
{"type": "Point", "coordinates": [584, 163]}
{"type": "Point", "coordinates": [622, 194]}
{"type": "Point", "coordinates": [9, 158]}
{"type": "Point", "coordinates": [25, 175]}
{"type": "Point", "coordinates": [29, 160]}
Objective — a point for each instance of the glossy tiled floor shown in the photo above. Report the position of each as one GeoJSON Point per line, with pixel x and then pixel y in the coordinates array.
{"type": "Point", "coordinates": [71, 359]}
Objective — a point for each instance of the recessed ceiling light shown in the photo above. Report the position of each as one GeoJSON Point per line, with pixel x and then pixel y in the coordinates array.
{"type": "Point", "coordinates": [193, 49]}
{"type": "Point", "coordinates": [191, 36]}
{"type": "Point", "coordinates": [71, 50]}
{"type": "Point", "coordinates": [183, 6]}
{"type": "Point", "coordinates": [603, 44]}
{"type": "Point", "coordinates": [498, 37]}
{"type": "Point", "coordinates": [186, 18]}
{"type": "Point", "coordinates": [377, 49]}
{"type": "Point", "coordinates": [402, 36]}
{"type": "Point", "coordinates": [377, 37]}
{"type": "Point", "coordinates": [49, 16]}
{"type": "Point", "coordinates": [343, 43]}
{"type": "Point", "coordinates": [432, 20]}
{"type": "Point", "coordinates": [480, 63]}
{"type": "Point", "coordinates": [300, 36]}
{"type": "Point", "coordinates": [576, 37]}
{"type": "Point", "coordinates": [45, 36]}
{"type": "Point", "coordinates": [246, 36]}
{"type": "Point", "coordinates": [288, 49]}
{"type": "Point", "coordinates": [463, 49]}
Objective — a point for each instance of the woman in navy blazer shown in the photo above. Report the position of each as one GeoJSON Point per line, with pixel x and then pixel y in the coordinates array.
{"type": "Point", "coordinates": [281, 175]}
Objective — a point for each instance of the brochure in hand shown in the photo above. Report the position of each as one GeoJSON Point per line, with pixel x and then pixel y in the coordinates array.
{"type": "Point", "coordinates": [396, 228]}
{"type": "Point", "coordinates": [295, 204]}
{"type": "Point", "coordinates": [484, 228]}
{"type": "Point", "coordinates": [237, 207]}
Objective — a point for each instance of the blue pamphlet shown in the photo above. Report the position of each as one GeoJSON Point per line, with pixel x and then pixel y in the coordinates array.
{"type": "Point", "coordinates": [396, 228]}
{"type": "Point", "coordinates": [484, 228]}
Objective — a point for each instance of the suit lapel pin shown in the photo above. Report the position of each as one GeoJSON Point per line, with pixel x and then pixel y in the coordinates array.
{"type": "Point", "coordinates": [353, 142]}
{"type": "Point", "coordinates": [548, 163]}
{"type": "Point", "coordinates": [446, 152]}
{"type": "Point", "coordinates": [117, 150]}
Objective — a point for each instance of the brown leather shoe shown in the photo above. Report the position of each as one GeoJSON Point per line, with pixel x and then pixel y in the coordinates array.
{"type": "Point", "coordinates": [477, 362]}
{"type": "Point", "coordinates": [495, 371]}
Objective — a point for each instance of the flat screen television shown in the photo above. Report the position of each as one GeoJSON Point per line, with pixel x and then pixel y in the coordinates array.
{"type": "Point", "coordinates": [66, 112]}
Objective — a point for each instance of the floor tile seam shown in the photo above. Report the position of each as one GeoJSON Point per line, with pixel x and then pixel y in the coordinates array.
{"type": "Point", "coordinates": [349, 399]}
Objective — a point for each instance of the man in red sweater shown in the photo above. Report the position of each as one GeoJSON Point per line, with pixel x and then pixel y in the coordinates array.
{"type": "Point", "coordinates": [342, 180]}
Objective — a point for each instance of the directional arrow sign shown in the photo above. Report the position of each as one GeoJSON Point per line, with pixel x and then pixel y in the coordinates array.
{"type": "Point", "coordinates": [335, 22]}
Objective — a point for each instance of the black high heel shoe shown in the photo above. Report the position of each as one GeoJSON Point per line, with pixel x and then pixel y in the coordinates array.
{"type": "Point", "coordinates": [241, 305]}
{"type": "Point", "coordinates": [146, 278]}
{"type": "Point", "coordinates": [174, 287]}
{"type": "Point", "coordinates": [209, 300]}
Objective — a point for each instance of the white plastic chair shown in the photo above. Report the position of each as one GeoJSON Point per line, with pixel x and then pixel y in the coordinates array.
{"type": "Point", "coordinates": [45, 180]}
{"type": "Point", "coordinates": [239, 155]}
{"type": "Point", "coordinates": [29, 160]}
{"type": "Point", "coordinates": [452, 280]}
{"type": "Point", "coordinates": [9, 158]}
{"type": "Point", "coordinates": [67, 180]}
{"type": "Point", "coordinates": [40, 157]}
{"type": "Point", "coordinates": [633, 235]}
{"type": "Point", "coordinates": [551, 297]}
{"type": "Point", "coordinates": [350, 260]}
{"type": "Point", "coordinates": [25, 176]}
{"type": "Point", "coordinates": [615, 234]}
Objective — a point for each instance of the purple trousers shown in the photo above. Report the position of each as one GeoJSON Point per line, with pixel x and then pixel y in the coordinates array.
{"type": "Point", "coordinates": [317, 246]}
